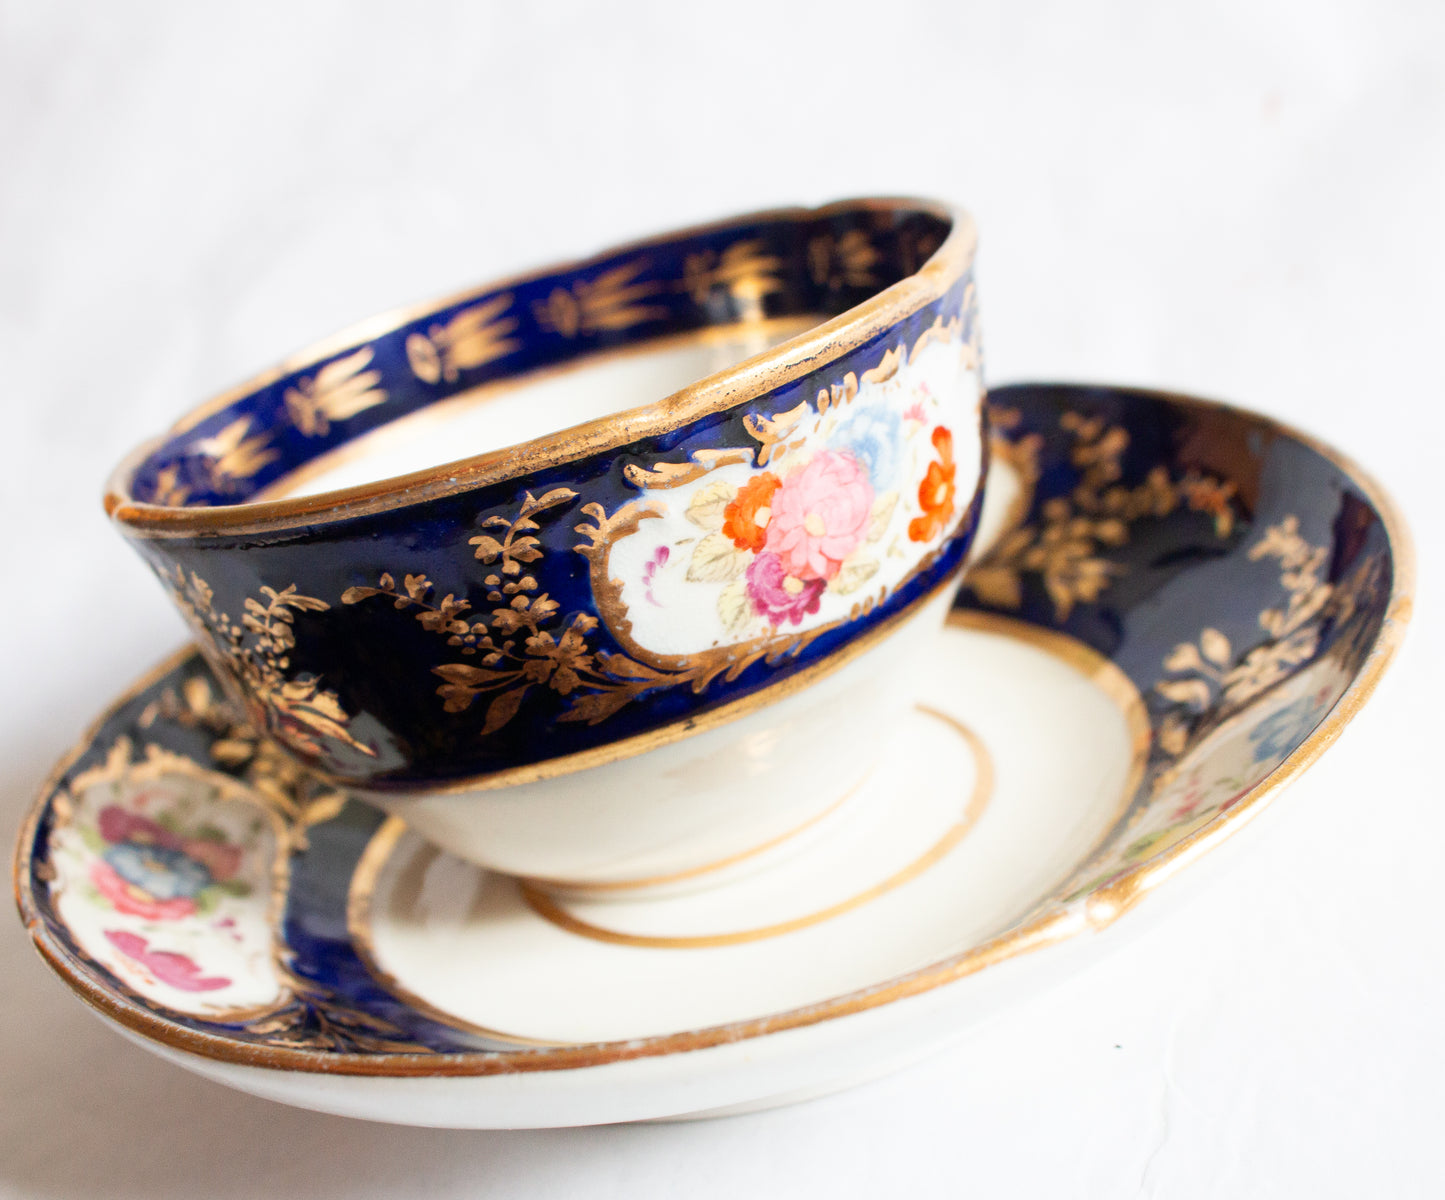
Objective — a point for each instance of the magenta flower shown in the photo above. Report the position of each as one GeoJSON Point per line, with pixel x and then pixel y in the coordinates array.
{"type": "Point", "coordinates": [778, 596]}
{"type": "Point", "coordinates": [166, 965]}
{"type": "Point", "coordinates": [820, 515]}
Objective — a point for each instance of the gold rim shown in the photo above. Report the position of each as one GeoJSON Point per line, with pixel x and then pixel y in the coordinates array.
{"type": "Point", "coordinates": [755, 376]}
{"type": "Point", "coordinates": [1100, 908]}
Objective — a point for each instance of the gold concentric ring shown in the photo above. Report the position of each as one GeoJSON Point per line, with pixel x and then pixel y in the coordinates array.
{"type": "Point", "coordinates": [548, 908]}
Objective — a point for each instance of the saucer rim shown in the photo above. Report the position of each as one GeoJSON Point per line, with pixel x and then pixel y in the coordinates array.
{"type": "Point", "coordinates": [1094, 911]}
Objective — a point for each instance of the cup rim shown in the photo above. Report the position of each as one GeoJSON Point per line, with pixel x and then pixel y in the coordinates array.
{"type": "Point", "coordinates": [722, 390]}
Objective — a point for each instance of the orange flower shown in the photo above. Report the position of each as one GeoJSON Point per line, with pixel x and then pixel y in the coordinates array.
{"type": "Point", "coordinates": [935, 493]}
{"type": "Point", "coordinates": [745, 520]}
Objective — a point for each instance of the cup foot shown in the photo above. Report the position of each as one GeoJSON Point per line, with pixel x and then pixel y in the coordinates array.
{"type": "Point", "coordinates": [887, 830]}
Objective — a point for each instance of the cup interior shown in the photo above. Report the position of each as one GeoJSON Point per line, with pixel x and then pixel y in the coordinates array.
{"type": "Point", "coordinates": [510, 412]}
{"type": "Point", "coordinates": [695, 303]}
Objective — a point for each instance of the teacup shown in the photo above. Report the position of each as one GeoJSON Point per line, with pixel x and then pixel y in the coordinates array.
{"type": "Point", "coordinates": [642, 647]}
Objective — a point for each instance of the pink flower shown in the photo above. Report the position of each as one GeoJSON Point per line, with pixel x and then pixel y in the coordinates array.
{"type": "Point", "coordinates": [778, 596]}
{"type": "Point", "coordinates": [649, 572]}
{"type": "Point", "coordinates": [167, 966]}
{"type": "Point", "coordinates": [820, 515]}
{"type": "Point", "coordinates": [136, 901]}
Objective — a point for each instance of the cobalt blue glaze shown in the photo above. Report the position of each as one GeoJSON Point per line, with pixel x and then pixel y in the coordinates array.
{"type": "Point", "coordinates": [291, 602]}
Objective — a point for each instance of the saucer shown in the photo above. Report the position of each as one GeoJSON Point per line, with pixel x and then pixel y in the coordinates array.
{"type": "Point", "coordinates": [1175, 608]}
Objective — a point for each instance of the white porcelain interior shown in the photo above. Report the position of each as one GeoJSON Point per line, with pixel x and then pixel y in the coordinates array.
{"type": "Point", "coordinates": [509, 413]}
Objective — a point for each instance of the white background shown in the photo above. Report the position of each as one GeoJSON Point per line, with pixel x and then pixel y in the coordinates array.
{"type": "Point", "coordinates": [1242, 200]}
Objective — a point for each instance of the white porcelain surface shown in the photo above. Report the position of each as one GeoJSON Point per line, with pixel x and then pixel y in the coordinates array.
{"type": "Point", "coordinates": [700, 800]}
{"type": "Point", "coordinates": [467, 943]}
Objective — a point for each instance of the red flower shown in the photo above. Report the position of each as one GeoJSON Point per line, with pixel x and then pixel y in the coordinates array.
{"type": "Point", "coordinates": [935, 493]}
{"type": "Point", "coordinates": [745, 520]}
{"type": "Point", "coordinates": [136, 901]}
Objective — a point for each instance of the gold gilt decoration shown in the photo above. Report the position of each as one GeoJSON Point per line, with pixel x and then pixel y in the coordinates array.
{"type": "Point", "coordinates": [337, 392]}
{"type": "Point", "coordinates": [522, 642]}
{"type": "Point", "coordinates": [231, 457]}
{"type": "Point", "coordinates": [1209, 675]}
{"type": "Point", "coordinates": [1067, 548]}
{"type": "Point", "coordinates": [295, 796]}
{"type": "Point", "coordinates": [316, 1018]}
{"type": "Point", "coordinates": [611, 301]}
{"type": "Point", "coordinates": [745, 271]}
{"type": "Point", "coordinates": [671, 475]}
{"type": "Point", "coordinates": [847, 260]}
{"type": "Point", "coordinates": [473, 338]}
{"type": "Point", "coordinates": [772, 432]}
{"type": "Point", "coordinates": [295, 709]}
{"type": "Point", "coordinates": [169, 488]}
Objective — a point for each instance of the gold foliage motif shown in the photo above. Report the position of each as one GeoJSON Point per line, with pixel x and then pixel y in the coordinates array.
{"type": "Point", "coordinates": [843, 261]}
{"type": "Point", "coordinates": [317, 1018]}
{"type": "Point", "coordinates": [473, 338]}
{"type": "Point", "coordinates": [522, 642]}
{"type": "Point", "coordinates": [745, 271]}
{"type": "Point", "coordinates": [277, 780]}
{"type": "Point", "coordinates": [294, 709]}
{"type": "Point", "coordinates": [232, 457]}
{"type": "Point", "coordinates": [1065, 550]}
{"type": "Point", "coordinates": [337, 392]}
{"type": "Point", "coordinates": [611, 301]}
{"type": "Point", "coordinates": [518, 611]}
{"type": "Point", "coordinates": [1209, 675]}
{"type": "Point", "coordinates": [169, 488]}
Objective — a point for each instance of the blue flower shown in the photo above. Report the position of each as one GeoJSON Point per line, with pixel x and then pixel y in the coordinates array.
{"type": "Point", "coordinates": [1280, 732]}
{"type": "Point", "coordinates": [873, 435]}
{"type": "Point", "coordinates": [162, 873]}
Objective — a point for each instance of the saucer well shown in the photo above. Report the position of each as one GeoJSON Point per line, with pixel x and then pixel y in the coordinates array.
{"type": "Point", "coordinates": [1177, 607]}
